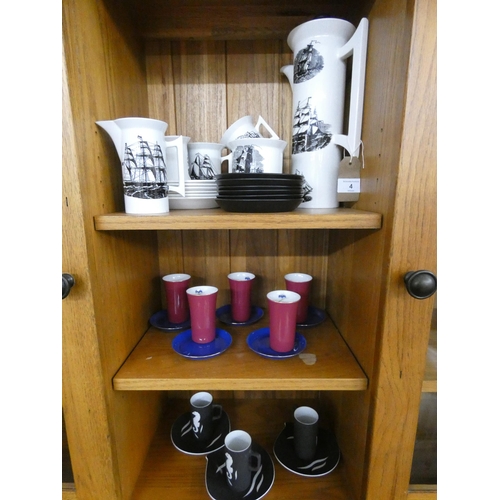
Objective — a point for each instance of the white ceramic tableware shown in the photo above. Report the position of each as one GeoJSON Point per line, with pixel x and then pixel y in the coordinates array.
{"type": "Point", "coordinates": [318, 80]}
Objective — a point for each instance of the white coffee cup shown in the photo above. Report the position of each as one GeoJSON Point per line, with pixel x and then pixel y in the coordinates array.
{"type": "Point", "coordinates": [204, 160]}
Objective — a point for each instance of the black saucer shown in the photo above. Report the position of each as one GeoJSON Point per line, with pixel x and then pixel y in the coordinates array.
{"type": "Point", "coordinates": [315, 317]}
{"type": "Point", "coordinates": [326, 459]}
{"type": "Point", "coordinates": [216, 482]}
{"type": "Point", "coordinates": [183, 438]}
{"type": "Point", "coordinates": [224, 315]}
{"type": "Point", "coordinates": [160, 320]}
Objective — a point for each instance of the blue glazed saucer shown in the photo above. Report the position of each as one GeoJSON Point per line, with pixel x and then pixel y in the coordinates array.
{"type": "Point", "coordinates": [184, 345]}
{"type": "Point", "coordinates": [160, 320]}
{"type": "Point", "coordinates": [258, 341]}
{"type": "Point", "coordinates": [224, 315]}
{"type": "Point", "coordinates": [315, 317]}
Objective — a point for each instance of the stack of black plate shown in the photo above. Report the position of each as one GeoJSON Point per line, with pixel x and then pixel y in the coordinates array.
{"type": "Point", "coordinates": [259, 192]}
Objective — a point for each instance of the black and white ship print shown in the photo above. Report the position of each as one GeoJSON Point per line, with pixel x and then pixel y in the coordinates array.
{"type": "Point", "coordinates": [309, 132]}
{"type": "Point", "coordinates": [201, 168]}
{"type": "Point", "coordinates": [308, 63]}
{"type": "Point", "coordinates": [144, 170]}
{"type": "Point", "coordinates": [248, 160]}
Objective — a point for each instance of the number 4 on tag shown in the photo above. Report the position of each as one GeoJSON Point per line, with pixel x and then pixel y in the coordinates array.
{"type": "Point", "coordinates": [349, 181]}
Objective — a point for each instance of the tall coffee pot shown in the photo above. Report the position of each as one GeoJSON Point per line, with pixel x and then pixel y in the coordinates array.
{"type": "Point", "coordinates": [318, 79]}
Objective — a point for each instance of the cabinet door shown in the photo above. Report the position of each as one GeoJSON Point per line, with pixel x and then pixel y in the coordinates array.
{"type": "Point", "coordinates": [83, 398]}
{"type": "Point", "coordinates": [404, 321]}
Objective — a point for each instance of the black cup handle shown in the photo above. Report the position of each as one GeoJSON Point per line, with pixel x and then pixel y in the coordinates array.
{"type": "Point", "coordinates": [216, 412]}
{"type": "Point", "coordinates": [254, 461]}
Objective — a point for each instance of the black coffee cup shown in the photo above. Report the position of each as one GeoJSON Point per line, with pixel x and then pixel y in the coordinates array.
{"type": "Point", "coordinates": [204, 413]}
{"type": "Point", "coordinates": [305, 432]}
{"type": "Point", "coordinates": [241, 461]}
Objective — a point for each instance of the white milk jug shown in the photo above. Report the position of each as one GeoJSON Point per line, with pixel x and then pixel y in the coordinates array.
{"type": "Point", "coordinates": [318, 79]}
{"type": "Point", "coordinates": [141, 147]}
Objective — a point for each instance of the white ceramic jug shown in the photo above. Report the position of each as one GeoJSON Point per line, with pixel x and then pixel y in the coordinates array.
{"type": "Point", "coordinates": [141, 147]}
{"type": "Point", "coordinates": [318, 79]}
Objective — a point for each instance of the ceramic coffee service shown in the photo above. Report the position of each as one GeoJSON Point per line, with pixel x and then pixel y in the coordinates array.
{"type": "Point", "coordinates": [193, 309]}
{"type": "Point", "coordinates": [244, 128]}
{"type": "Point", "coordinates": [305, 448]}
{"type": "Point", "coordinates": [142, 151]}
{"type": "Point", "coordinates": [237, 466]}
{"type": "Point", "coordinates": [317, 76]}
{"type": "Point", "coordinates": [201, 430]}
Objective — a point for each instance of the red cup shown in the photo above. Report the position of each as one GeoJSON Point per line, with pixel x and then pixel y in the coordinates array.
{"type": "Point", "coordinates": [175, 291]}
{"type": "Point", "coordinates": [300, 283]}
{"type": "Point", "coordinates": [282, 319]}
{"type": "Point", "coordinates": [240, 285]}
{"type": "Point", "coordinates": [202, 305]}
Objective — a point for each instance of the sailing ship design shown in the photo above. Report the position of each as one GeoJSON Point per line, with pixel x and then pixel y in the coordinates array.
{"type": "Point", "coordinates": [308, 63]}
{"type": "Point", "coordinates": [309, 132]}
{"type": "Point", "coordinates": [144, 170]}
{"type": "Point", "coordinates": [249, 135]}
{"type": "Point", "coordinates": [201, 168]}
{"type": "Point", "coordinates": [248, 160]}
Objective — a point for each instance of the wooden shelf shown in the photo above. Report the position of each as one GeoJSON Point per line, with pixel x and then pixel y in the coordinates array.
{"type": "Point", "coordinates": [154, 365]}
{"type": "Point", "coordinates": [216, 218]}
{"type": "Point", "coordinates": [168, 473]}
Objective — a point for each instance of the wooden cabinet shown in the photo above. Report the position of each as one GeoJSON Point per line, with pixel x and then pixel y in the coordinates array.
{"type": "Point", "coordinates": [199, 67]}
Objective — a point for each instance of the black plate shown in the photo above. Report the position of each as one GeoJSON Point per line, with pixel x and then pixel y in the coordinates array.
{"type": "Point", "coordinates": [252, 205]}
{"type": "Point", "coordinates": [232, 176]}
{"type": "Point", "coordinates": [255, 183]}
{"type": "Point", "coordinates": [262, 196]}
{"type": "Point", "coordinates": [261, 189]}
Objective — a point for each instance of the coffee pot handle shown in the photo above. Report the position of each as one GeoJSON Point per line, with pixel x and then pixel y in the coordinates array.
{"type": "Point", "coordinates": [182, 161]}
{"type": "Point", "coordinates": [357, 48]}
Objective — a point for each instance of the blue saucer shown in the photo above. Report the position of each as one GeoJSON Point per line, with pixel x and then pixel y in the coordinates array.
{"type": "Point", "coordinates": [184, 345]}
{"type": "Point", "coordinates": [160, 320]}
{"type": "Point", "coordinates": [315, 316]}
{"type": "Point", "coordinates": [258, 341]}
{"type": "Point", "coordinates": [224, 315]}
